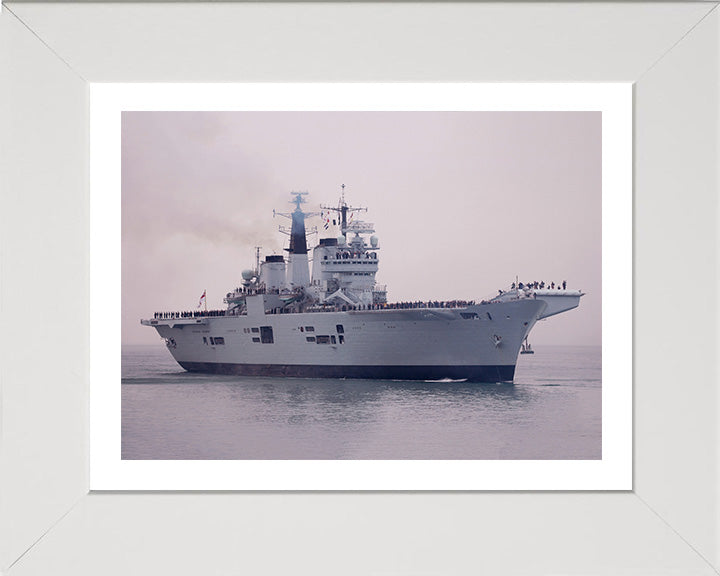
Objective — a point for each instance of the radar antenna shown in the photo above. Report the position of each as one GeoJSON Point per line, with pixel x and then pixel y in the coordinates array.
{"type": "Point", "coordinates": [297, 201]}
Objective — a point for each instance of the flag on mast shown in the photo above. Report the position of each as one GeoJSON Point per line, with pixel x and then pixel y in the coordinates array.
{"type": "Point", "coordinates": [202, 299]}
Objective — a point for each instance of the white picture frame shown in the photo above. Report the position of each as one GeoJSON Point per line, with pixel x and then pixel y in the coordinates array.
{"type": "Point", "coordinates": [668, 524]}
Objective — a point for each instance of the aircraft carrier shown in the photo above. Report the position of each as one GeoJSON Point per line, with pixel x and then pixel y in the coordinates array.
{"type": "Point", "coordinates": [336, 322]}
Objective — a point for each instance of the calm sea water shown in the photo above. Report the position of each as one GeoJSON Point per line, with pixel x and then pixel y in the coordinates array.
{"type": "Point", "coordinates": [552, 411]}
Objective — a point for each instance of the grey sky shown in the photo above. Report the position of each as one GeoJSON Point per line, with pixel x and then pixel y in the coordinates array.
{"type": "Point", "coordinates": [461, 201]}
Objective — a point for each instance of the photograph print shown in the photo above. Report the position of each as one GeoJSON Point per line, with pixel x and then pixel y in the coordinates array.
{"type": "Point", "coordinates": [361, 285]}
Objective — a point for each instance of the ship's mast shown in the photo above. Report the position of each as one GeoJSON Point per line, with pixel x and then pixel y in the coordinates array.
{"type": "Point", "coordinates": [342, 209]}
{"type": "Point", "coordinates": [298, 273]}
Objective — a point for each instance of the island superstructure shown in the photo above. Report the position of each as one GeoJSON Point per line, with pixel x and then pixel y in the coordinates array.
{"type": "Point", "coordinates": [335, 321]}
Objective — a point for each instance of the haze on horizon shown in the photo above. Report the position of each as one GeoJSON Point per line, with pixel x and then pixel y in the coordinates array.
{"type": "Point", "coordinates": [462, 202]}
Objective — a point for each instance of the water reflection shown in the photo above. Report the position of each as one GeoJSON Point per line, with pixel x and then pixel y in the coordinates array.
{"type": "Point", "coordinates": [549, 413]}
{"type": "Point", "coordinates": [361, 400]}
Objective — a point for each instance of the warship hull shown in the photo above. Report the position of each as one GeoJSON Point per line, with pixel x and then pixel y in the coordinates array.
{"type": "Point", "coordinates": [478, 343]}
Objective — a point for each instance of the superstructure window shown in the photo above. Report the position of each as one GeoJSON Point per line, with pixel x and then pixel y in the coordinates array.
{"type": "Point", "coordinates": [332, 339]}
{"type": "Point", "coordinates": [340, 329]}
{"type": "Point", "coordinates": [255, 329]}
{"type": "Point", "coordinates": [266, 334]}
{"type": "Point", "coordinates": [469, 315]}
{"type": "Point", "coordinates": [323, 340]}
{"type": "Point", "coordinates": [309, 328]}
{"type": "Point", "coordinates": [205, 340]}
{"type": "Point", "coordinates": [310, 338]}
{"type": "Point", "coordinates": [342, 339]}
{"type": "Point", "coordinates": [256, 340]}
{"type": "Point", "coordinates": [219, 341]}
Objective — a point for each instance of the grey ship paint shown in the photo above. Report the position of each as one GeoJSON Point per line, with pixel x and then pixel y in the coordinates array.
{"type": "Point", "coordinates": [337, 323]}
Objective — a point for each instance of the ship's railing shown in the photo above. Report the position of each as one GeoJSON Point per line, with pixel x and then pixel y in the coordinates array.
{"type": "Point", "coordinates": [407, 305]}
{"type": "Point", "coordinates": [381, 306]}
{"type": "Point", "coordinates": [360, 227]}
{"type": "Point", "coordinates": [354, 257]}
{"type": "Point", "coordinates": [428, 304]}
{"type": "Point", "coordinates": [188, 314]}
{"type": "Point", "coordinates": [347, 261]}
{"type": "Point", "coordinates": [529, 289]}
